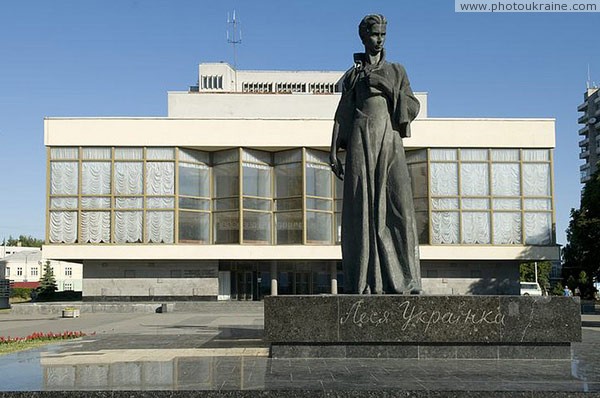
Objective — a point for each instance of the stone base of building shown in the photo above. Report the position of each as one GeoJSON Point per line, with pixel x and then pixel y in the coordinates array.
{"type": "Point", "coordinates": [422, 327]}
{"type": "Point", "coordinates": [101, 299]}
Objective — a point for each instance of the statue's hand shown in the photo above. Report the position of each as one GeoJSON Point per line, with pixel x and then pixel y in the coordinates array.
{"type": "Point", "coordinates": [379, 82]}
{"type": "Point", "coordinates": [336, 166]}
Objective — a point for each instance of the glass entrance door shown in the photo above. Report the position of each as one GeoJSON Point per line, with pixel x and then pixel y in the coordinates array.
{"type": "Point", "coordinates": [244, 285]}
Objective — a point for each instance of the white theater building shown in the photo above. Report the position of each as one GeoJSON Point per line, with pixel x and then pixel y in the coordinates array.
{"type": "Point", "coordinates": [230, 196]}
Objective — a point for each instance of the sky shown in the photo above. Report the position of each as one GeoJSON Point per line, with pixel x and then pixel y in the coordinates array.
{"type": "Point", "coordinates": [120, 57]}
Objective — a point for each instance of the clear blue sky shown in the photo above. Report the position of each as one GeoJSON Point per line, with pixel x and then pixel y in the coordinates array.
{"type": "Point", "coordinates": [120, 57]}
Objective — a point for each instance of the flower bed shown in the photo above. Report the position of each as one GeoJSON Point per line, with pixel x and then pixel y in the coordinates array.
{"type": "Point", "coordinates": [41, 337]}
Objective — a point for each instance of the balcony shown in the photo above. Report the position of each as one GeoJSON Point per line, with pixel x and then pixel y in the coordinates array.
{"type": "Point", "coordinates": [584, 154]}
{"type": "Point", "coordinates": [584, 142]}
{"type": "Point", "coordinates": [582, 107]}
{"type": "Point", "coordinates": [597, 100]}
{"type": "Point", "coordinates": [584, 130]}
{"type": "Point", "coordinates": [582, 119]}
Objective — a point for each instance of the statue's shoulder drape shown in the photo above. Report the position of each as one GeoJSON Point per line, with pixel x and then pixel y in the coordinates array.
{"type": "Point", "coordinates": [404, 106]}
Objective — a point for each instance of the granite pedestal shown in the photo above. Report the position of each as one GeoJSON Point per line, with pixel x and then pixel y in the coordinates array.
{"type": "Point", "coordinates": [422, 327]}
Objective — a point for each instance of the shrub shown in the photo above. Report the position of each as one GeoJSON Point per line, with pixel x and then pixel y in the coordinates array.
{"type": "Point", "coordinates": [21, 292]}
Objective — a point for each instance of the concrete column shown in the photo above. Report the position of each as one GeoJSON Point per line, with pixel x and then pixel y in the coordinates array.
{"type": "Point", "coordinates": [273, 278]}
{"type": "Point", "coordinates": [333, 272]}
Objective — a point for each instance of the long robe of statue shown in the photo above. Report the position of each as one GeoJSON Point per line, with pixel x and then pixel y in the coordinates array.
{"type": "Point", "coordinates": [379, 236]}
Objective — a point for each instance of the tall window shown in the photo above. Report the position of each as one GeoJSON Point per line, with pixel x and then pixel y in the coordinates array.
{"type": "Point", "coordinates": [34, 271]}
{"type": "Point", "coordinates": [68, 271]}
{"type": "Point", "coordinates": [226, 192]}
{"type": "Point", "coordinates": [257, 196]}
{"type": "Point", "coordinates": [288, 197]}
{"type": "Point", "coordinates": [64, 190]}
{"type": "Point", "coordinates": [194, 197]}
{"type": "Point", "coordinates": [95, 195]}
{"type": "Point", "coordinates": [319, 195]}
{"type": "Point", "coordinates": [19, 271]}
{"type": "Point", "coordinates": [160, 195]}
{"type": "Point", "coordinates": [128, 178]}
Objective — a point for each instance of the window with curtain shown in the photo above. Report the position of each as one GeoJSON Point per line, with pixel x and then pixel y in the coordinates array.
{"type": "Point", "coordinates": [477, 196]}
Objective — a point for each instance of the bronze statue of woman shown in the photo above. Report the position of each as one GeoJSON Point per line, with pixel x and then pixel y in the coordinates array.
{"type": "Point", "coordinates": [380, 249]}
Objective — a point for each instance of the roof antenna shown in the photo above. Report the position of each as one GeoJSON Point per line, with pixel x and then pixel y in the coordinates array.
{"type": "Point", "coordinates": [235, 37]}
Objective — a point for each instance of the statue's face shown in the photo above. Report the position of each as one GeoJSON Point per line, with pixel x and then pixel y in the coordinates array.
{"type": "Point", "coordinates": [375, 39]}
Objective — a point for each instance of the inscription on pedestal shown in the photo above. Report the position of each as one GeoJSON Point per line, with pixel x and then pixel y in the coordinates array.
{"type": "Point", "coordinates": [422, 319]}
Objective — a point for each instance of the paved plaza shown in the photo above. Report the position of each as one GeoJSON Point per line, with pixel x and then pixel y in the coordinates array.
{"type": "Point", "coordinates": [219, 347]}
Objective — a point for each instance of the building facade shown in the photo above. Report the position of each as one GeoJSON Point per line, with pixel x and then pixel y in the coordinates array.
{"type": "Point", "coordinates": [25, 268]}
{"type": "Point", "coordinates": [590, 144]}
{"type": "Point", "coordinates": [231, 196]}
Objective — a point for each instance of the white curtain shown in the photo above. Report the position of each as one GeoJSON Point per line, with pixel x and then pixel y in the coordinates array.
{"type": "Point", "coordinates": [160, 203]}
{"type": "Point", "coordinates": [505, 155]}
{"type": "Point", "coordinates": [506, 179]}
{"type": "Point", "coordinates": [128, 178]}
{"type": "Point", "coordinates": [95, 178]}
{"type": "Point", "coordinates": [474, 179]}
{"type": "Point", "coordinates": [536, 155]}
{"type": "Point", "coordinates": [473, 154]}
{"type": "Point", "coordinates": [507, 228]}
{"type": "Point", "coordinates": [95, 202]}
{"type": "Point", "coordinates": [160, 178]}
{"type": "Point", "coordinates": [442, 154]}
{"type": "Point", "coordinates": [63, 226]}
{"type": "Point", "coordinates": [159, 226]}
{"type": "Point", "coordinates": [538, 228]}
{"type": "Point", "coordinates": [160, 153]}
{"type": "Point", "coordinates": [64, 178]}
{"type": "Point", "coordinates": [444, 179]}
{"type": "Point", "coordinates": [536, 179]}
{"type": "Point", "coordinates": [445, 227]}
{"type": "Point", "coordinates": [475, 204]}
{"type": "Point", "coordinates": [476, 227]}
{"type": "Point", "coordinates": [97, 153]}
{"type": "Point", "coordinates": [95, 226]}
{"type": "Point", "coordinates": [128, 226]}
{"type": "Point", "coordinates": [537, 204]}
{"type": "Point", "coordinates": [64, 153]}
{"type": "Point", "coordinates": [506, 204]}
{"type": "Point", "coordinates": [444, 203]}
{"type": "Point", "coordinates": [128, 203]}
{"type": "Point", "coordinates": [129, 153]}
{"type": "Point", "coordinates": [63, 203]}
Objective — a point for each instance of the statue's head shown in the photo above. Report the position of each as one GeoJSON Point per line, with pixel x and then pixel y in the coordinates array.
{"type": "Point", "coordinates": [372, 32]}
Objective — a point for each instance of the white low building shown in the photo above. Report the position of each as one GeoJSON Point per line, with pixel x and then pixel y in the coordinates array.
{"type": "Point", "coordinates": [230, 196]}
{"type": "Point", "coordinates": [25, 268]}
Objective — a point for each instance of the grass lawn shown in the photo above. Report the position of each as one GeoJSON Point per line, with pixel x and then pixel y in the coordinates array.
{"type": "Point", "coordinates": [9, 345]}
{"type": "Point", "coordinates": [9, 348]}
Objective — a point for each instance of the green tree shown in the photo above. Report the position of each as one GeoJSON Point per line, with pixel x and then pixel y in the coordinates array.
{"type": "Point", "coordinates": [582, 252]}
{"type": "Point", "coordinates": [48, 281]}
{"type": "Point", "coordinates": [527, 273]}
{"type": "Point", "coordinates": [25, 241]}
